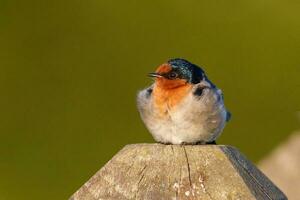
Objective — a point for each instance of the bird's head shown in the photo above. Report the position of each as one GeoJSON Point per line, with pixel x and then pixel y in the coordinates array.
{"type": "Point", "coordinates": [176, 73]}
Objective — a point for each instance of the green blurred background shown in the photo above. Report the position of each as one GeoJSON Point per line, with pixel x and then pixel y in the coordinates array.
{"type": "Point", "coordinates": [70, 71]}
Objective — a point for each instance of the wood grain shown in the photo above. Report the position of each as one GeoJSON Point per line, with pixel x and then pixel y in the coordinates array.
{"type": "Point", "coordinates": [187, 172]}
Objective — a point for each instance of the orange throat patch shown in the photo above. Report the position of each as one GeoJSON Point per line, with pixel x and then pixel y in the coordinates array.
{"type": "Point", "coordinates": [166, 98]}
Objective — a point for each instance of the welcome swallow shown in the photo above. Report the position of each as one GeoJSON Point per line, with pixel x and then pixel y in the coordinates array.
{"type": "Point", "coordinates": [182, 106]}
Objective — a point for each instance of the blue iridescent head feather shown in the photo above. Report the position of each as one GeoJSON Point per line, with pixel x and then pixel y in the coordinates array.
{"type": "Point", "coordinates": [189, 71]}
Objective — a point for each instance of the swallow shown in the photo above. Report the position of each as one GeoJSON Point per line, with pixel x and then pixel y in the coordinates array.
{"type": "Point", "coordinates": [182, 106]}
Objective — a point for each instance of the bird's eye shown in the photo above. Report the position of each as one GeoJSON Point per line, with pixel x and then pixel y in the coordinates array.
{"type": "Point", "coordinates": [173, 75]}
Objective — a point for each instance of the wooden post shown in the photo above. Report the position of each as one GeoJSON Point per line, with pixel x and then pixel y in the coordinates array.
{"type": "Point", "coordinates": [156, 171]}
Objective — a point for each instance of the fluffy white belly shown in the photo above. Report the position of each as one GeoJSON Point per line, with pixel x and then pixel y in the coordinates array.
{"type": "Point", "coordinates": [195, 119]}
{"type": "Point", "coordinates": [178, 132]}
{"type": "Point", "coordinates": [190, 123]}
{"type": "Point", "coordinates": [170, 132]}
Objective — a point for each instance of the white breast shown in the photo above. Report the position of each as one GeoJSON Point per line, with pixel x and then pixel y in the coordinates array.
{"type": "Point", "coordinates": [195, 119]}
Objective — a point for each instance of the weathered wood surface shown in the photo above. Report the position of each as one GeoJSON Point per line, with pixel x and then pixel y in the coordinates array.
{"type": "Point", "coordinates": [156, 171]}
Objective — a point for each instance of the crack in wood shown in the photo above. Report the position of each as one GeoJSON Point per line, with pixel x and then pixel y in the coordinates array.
{"type": "Point", "coordinates": [172, 150]}
{"type": "Point", "coordinates": [142, 175]}
{"type": "Point", "coordinates": [180, 180]}
{"type": "Point", "coordinates": [188, 166]}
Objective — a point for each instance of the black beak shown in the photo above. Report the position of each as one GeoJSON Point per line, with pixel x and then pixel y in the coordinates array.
{"type": "Point", "coordinates": [155, 75]}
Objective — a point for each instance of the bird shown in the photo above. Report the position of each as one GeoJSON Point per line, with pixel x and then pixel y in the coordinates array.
{"type": "Point", "coordinates": [182, 106]}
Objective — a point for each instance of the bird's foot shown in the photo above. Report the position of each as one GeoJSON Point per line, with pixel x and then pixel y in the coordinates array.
{"type": "Point", "coordinates": [203, 143]}
{"type": "Point", "coordinates": [165, 143]}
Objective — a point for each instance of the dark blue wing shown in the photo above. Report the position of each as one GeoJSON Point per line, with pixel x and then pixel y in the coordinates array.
{"type": "Point", "coordinates": [228, 116]}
